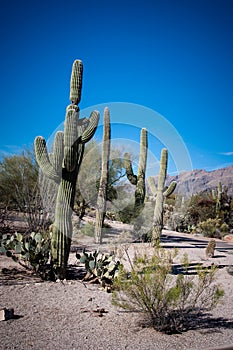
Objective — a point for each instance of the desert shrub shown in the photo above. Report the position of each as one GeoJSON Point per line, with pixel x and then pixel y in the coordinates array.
{"type": "Point", "coordinates": [18, 179]}
{"type": "Point", "coordinates": [170, 302]}
{"type": "Point", "coordinates": [32, 251]}
{"type": "Point", "coordinates": [89, 177]}
{"type": "Point", "coordinates": [20, 190]}
{"type": "Point", "coordinates": [88, 229]}
{"type": "Point", "coordinates": [200, 208]}
{"type": "Point", "coordinates": [142, 220]}
{"type": "Point", "coordinates": [127, 214]}
{"type": "Point", "coordinates": [224, 228]}
{"type": "Point", "coordinates": [213, 228]}
{"type": "Point", "coordinates": [5, 223]}
{"type": "Point", "coordinates": [111, 216]}
{"type": "Point", "coordinates": [179, 214]}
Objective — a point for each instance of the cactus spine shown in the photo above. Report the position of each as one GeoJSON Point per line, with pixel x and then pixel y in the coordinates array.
{"type": "Point", "coordinates": [62, 166]}
{"type": "Point", "coordinates": [138, 180]}
{"type": "Point", "coordinates": [102, 195]}
{"type": "Point", "coordinates": [160, 193]}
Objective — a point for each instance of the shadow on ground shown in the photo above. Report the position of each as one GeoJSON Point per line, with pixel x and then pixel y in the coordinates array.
{"type": "Point", "coordinates": [205, 323]}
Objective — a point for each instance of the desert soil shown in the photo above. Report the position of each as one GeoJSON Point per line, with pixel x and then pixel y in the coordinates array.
{"type": "Point", "coordinates": [74, 315]}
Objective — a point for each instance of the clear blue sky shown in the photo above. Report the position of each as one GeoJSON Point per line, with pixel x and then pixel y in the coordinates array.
{"type": "Point", "coordinates": [172, 56]}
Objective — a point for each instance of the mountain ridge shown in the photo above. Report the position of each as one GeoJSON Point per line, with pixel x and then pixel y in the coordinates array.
{"type": "Point", "coordinates": [198, 180]}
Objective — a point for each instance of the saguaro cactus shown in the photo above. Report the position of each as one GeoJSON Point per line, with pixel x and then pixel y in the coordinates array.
{"type": "Point", "coordinates": [102, 195]}
{"type": "Point", "coordinates": [62, 166]}
{"type": "Point", "coordinates": [160, 193]}
{"type": "Point", "coordinates": [218, 199]}
{"type": "Point", "coordinates": [138, 180]}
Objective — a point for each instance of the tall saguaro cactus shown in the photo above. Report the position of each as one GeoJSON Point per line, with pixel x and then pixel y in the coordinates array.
{"type": "Point", "coordinates": [62, 166]}
{"type": "Point", "coordinates": [160, 193]}
{"type": "Point", "coordinates": [138, 180]}
{"type": "Point", "coordinates": [102, 195]}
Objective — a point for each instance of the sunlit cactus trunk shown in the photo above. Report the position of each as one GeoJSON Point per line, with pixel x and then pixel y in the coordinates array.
{"type": "Point", "coordinates": [62, 227]}
{"type": "Point", "coordinates": [62, 166]}
{"type": "Point", "coordinates": [138, 180]}
{"type": "Point", "coordinates": [160, 193]}
{"type": "Point", "coordinates": [102, 195]}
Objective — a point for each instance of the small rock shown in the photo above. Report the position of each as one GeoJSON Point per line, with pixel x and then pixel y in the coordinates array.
{"type": "Point", "coordinates": [230, 270]}
{"type": "Point", "coordinates": [228, 238]}
{"type": "Point", "coordinates": [6, 314]}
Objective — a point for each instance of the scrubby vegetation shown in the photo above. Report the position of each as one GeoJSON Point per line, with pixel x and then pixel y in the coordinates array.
{"type": "Point", "coordinates": [169, 302]}
{"type": "Point", "coordinates": [20, 193]}
{"type": "Point", "coordinates": [31, 251]}
{"type": "Point", "coordinates": [213, 228]}
{"type": "Point", "coordinates": [202, 213]}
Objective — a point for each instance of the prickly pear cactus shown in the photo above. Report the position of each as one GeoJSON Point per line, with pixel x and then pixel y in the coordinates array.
{"type": "Point", "coordinates": [31, 251]}
{"type": "Point", "coordinates": [101, 268]}
{"type": "Point", "coordinates": [62, 166]}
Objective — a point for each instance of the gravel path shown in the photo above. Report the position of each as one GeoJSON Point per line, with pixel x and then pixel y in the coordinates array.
{"type": "Point", "coordinates": [71, 315]}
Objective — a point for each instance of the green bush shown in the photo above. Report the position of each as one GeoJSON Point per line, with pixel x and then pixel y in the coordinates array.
{"type": "Point", "coordinates": [127, 214]}
{"type": "Point", "coordinates": [167, 300]}
{"type": "Point", "coordinates": [224, 228]}
{"type": "Point", "coordinates": [213, 228]}
{"type": "Point", "coordinates": [32, 252]}
{"type": "Point", "coordinates": [101, 268]}
{"type": "Point", "coordinates": [88, 229]}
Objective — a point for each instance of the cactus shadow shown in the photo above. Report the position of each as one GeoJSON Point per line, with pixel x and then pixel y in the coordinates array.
{"type": "Point", "coordinates": [177, 240]}
{"type": "Point", "coordinates": [192, 268]}
{"type": "Point", "coordinates": [17, 276]}
{"type": "Point", "coordinates": [219, 256]}
{"type": "Point", "coordinates": [16, 317]}
{"type": "Point", "coordinates": [75, 272]}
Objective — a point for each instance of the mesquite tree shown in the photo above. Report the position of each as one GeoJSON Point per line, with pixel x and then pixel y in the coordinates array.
{"type": "Point", "coordinates": [62, 166]}
{"type": "Point", "coordinates": [102, 194]}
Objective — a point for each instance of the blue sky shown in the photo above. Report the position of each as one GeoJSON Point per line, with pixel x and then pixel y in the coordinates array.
{"type": "Point", "coordinates": [174, 57]}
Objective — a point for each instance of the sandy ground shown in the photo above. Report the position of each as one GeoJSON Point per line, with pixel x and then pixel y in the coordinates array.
{"type": "Point", "coordinates": [74, 315]}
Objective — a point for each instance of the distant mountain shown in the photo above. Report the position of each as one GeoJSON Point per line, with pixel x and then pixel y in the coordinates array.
{"type": "Point", "coordinates": [195, 181]}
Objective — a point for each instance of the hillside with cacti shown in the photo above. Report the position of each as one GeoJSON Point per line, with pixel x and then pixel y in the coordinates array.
{"type": "Point", "coordinates": [199, 180]}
